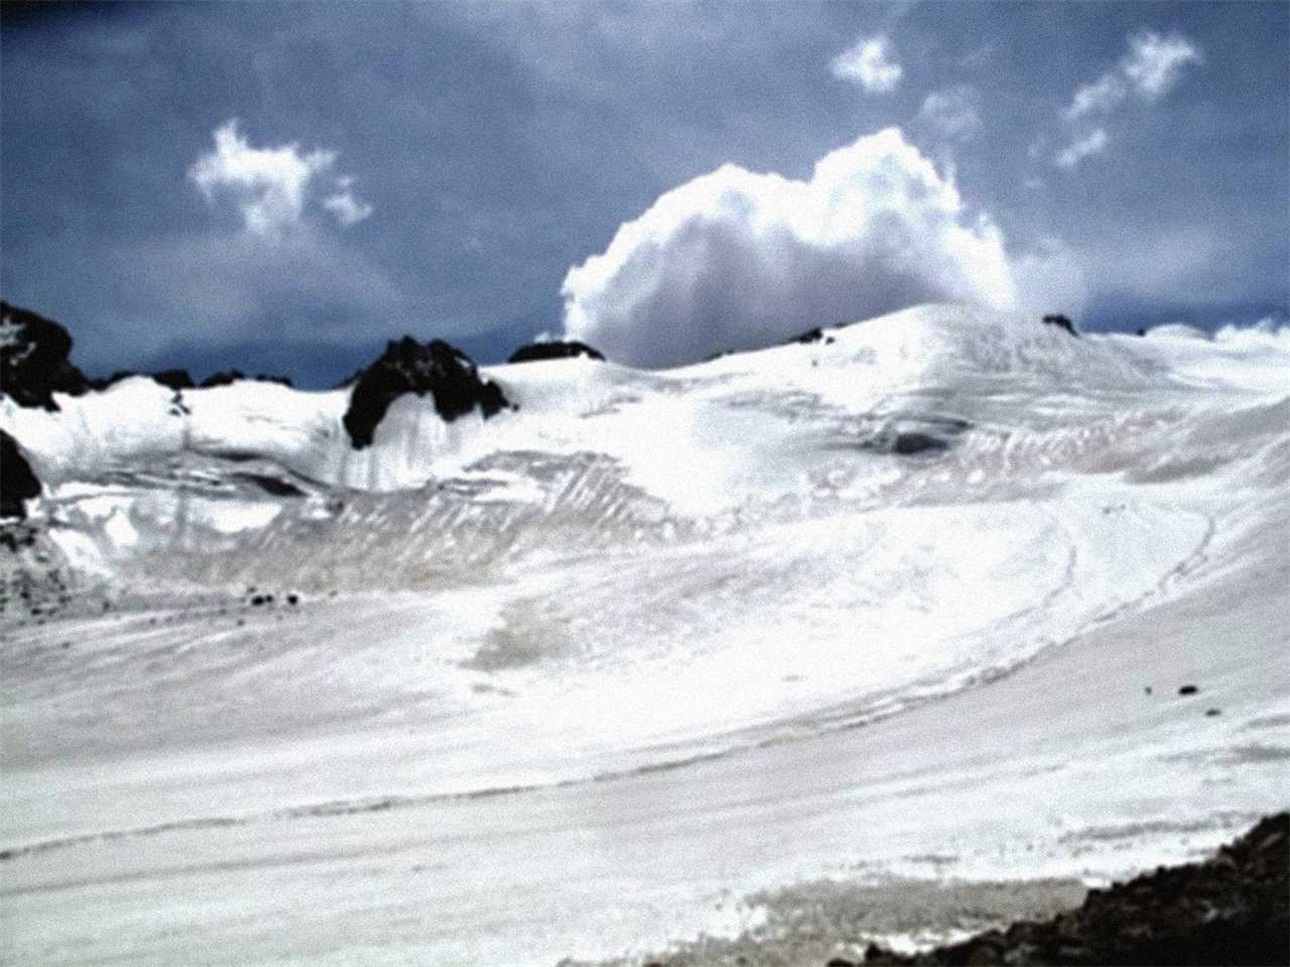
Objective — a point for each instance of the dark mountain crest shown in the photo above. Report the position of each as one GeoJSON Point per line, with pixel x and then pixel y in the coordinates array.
{"type": "Point", "coordinates": [176, 379]}
{"type": "Point", "coordinates": [34, 364]}
{"type": "Point", "coordinates": [555, 349]}
{"type": "Point", "coordinates": [34, 359]}
{"type": "Point", "coordinates": [407, 366]}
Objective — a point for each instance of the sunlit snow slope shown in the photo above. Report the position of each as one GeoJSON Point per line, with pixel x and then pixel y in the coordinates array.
{"type": "Point", "coordinates": [915, 598]}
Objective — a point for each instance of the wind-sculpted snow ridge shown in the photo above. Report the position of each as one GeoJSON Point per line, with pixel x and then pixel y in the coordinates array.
{"type": "Point", "coordinates": [918, 597]}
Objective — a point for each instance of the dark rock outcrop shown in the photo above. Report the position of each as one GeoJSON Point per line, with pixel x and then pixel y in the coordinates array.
{"type": "Point", "coordinates": [17, 480]}
{"type": "Point", "coordinates": [173, 379]}
{"type": "Point", "coordinates": [225, 377]}
{"type": "Point", "coordinates": [34, 359]}
{"type": "Point", "coordinates": [1061, 322]}
{"type": "Point", "coordinates": [407, 366]}
{"type": "Point", "coordinates": [536, 351]}
{"type": "Point", "coordinates": [909, 444]}
{"type": "Point", "coordinates": [1231, 909]}
{"type": "Point", "coordinates": [812, 336]}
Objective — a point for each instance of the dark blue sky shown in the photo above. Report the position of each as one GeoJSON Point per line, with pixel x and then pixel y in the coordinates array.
{"type": "Point", "coordinates": [449, 163]}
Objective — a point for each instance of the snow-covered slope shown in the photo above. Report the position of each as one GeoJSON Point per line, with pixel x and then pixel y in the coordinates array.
{"type": "Point", "coordinates": [623, 632]}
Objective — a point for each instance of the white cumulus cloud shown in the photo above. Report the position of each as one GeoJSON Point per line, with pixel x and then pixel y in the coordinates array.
{"type": "Point", "coordinates": [271, 187]}
{"type": "Point", "coordinates": [871, 63]}
{"type": "Point", "coordinates": [737, 260]}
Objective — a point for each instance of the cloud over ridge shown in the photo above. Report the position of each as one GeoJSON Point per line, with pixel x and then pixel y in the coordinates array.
{"type": "Point", "coordinates": [736, 260]}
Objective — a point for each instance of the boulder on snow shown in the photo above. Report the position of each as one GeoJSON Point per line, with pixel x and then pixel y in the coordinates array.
{"type": "Point", "coordinates": [536, 351]}
{"type": "Point", "coordinates": [34, 359]}
{"type": "Point", "coordinates": [407, 366]}
{"type": "Point", "coordinates": [17, 480]}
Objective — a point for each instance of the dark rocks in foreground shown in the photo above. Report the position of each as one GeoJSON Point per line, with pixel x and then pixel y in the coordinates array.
{"type": "Point", "coordinates": [17, 480]}
{"type": "Point", "coordinates": [407, 366]}
{"type": "Point", "coordinates": [34, 362]}
{"type": "Point", "coordinates": [1231, 909]}
{"type": "Point", "coordinates": [556, 349]}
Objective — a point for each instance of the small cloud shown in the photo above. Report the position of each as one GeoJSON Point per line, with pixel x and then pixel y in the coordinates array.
{"type": "Point", "coordinates": [953, 111]}
{"type": "Point", "coordinates": [1151, 69]}
{"type": "Point", "coordinates": [871, 63]}
{"type": "Point", "coordinates": [347, 208]}
{"type": "Point", "coordinates": [1154, 64]}
{"type": "Point", "coordinates": [1093, 143]}
{"type": "Point", "coordinates": [270, 187]}
{"type": "Point", "coordinates": [1100, 97]}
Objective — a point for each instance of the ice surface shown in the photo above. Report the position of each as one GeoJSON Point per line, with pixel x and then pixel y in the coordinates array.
{"type": "Point", "coordinates": [576, 679]}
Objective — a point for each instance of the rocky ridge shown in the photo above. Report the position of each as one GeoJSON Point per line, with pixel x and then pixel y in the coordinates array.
{"type": "Point", "coordinates": [407, 366]}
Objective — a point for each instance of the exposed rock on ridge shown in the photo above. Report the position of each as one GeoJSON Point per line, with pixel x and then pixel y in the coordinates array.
{"type": "Point", "coordinates": [556, 349]}
{"type": "Point", "coordinates": [407, 366]}
{"type": "Point", "coordinates": [33, 359]}
{"type": "Point", "coordinates": [1061, 322]}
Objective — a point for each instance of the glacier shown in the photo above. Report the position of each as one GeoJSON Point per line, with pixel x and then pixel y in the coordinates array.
{"type": "Point", "coordinates": [912, 600]}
